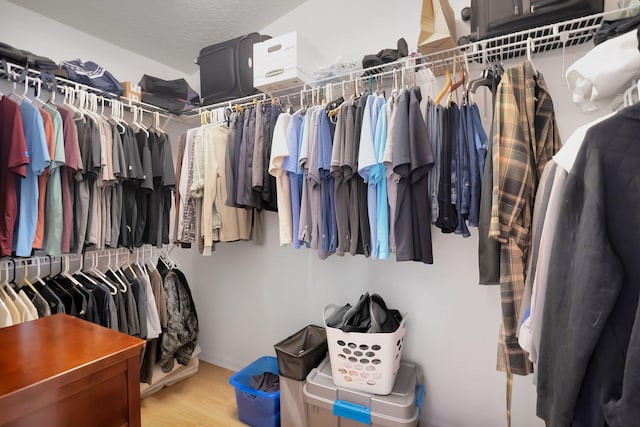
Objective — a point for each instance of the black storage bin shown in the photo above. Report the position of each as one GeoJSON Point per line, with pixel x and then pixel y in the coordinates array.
{"type": "Point", "coordinates": [226, 69]}
{"type": "Point", "coordinates": [301, 352]}
{"type": "Point", "coordinates": [491, 18]}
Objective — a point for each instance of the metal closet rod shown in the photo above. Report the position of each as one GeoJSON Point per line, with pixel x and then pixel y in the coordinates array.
{"type": "Point", "coordinates": [570, 32]}
{"type": "Point", "coordinates": [560, 34]}
{"type": "Point", "coordinates": [123, 254]}
{"type": "Point", "coordinates": [306, 89]}
{"type": "Point", "coordinates": [107, 97]}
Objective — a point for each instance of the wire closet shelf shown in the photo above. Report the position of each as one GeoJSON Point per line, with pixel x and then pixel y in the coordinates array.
{"type": "Point", "coordinates": [49, 82]}
{"type": "Point", "coordinates": [536, 40]}
{"type": "Point", "coordinates": [545, 38]}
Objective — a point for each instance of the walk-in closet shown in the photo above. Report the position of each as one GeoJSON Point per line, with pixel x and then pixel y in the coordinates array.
{"type": "Point", "coordinates": [313, 213]}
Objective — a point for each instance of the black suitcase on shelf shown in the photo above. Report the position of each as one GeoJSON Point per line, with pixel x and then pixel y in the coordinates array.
{"type": "Point", "coordinates": [491, 18]}
{"type": "Point", "coordinates": [226, 69]}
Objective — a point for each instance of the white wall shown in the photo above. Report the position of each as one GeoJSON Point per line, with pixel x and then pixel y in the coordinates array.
{"type": "Point", "coordinates": [250, 297]}
{"type": "Point", "coordinates": [27, 30]}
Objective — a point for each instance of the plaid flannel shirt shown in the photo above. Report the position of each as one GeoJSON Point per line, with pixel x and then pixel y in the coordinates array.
{"type": "Point", "coordinates": [525, 138]}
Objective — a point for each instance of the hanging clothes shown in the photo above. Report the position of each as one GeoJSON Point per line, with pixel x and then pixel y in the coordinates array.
{"type": "Point", "coordinates": [328, 226]}
{"type": "Point", "coordinates": [180, 338]}
{"type": "Point", "coordinates": [81, 191]}
{"type": "Point", "coordinates": [43, 179]}
{"type": "Point", "coordinates": [27, 188]}
{"type": "Point", "coordinates": [340, 185]}
{"type": "Point", "coordinates": [268, 187]}
{"type": "Point", "coordinates": [61, 188]}
{"type": "Point", "coordinates": [279, 152]}
{"type": "Point", "coordinates": [391, 177]}
{"type": "Point", "coordinates": [367, 161]}
{"type": "Point", "coordinates": [518, 159]}
{"type": "Point", "coordinates": [13, 167]}
{"type": "Point", "coordinates": [412, 160]}
{"type": "Point", "coordinates": [291, 167]}
{"type": "Point", "coordinates": [359, 189]}
{"type": "Point", "coordinates": [591, 303]}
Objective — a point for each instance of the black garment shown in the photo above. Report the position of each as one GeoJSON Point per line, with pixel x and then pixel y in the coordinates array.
{"type": "Point", "coordinates": [144, 191]}
{"type": "Point", "coordinates": [64, 296]}
{"type": "Point", "coordinates": [589, 358]}
{"type": "Point", "coordinates": [79, 298]}
{"type": "Point", "coordinates": [120, 300]}
{"type": "Point", "coordinates": [232, 157]}
{"type": "Point", "coordinates": [385, 56]}
{"type": "Point", "coordinates": [120, 172]}
{"type": "Point", "coordinates": [149, 361]}
{"type": "Point", "coordinates": [351, 187]}
{"type": "Point", "coordinates": [421, 162]}
{"type": "Point", "coordinates": [140, 295]}
{"type": "Point", "coordinates": [340, 187]}
{"type": "Point", "coordinates": [156, 207]}
{"type": "Point", "coordinates": [266, 381]}
{"type": "Point", "coordinates": [447, 217]}
{"type": "Point", "coordinates": [32, 297]}
{"type": "Point", "coordinates": [248, 196]}
{"type": "Point", "coordinates": [269, 197]}
{"type": "Point", "coordinates": [100, 300]}
{"type": "Point", "coordinates": [359, 188]}
{"type": "Point", "coordinates": [55, 303]}
{"type": "Point", "coordinates": [164, 180]}
{"type": "Point", "coordinates": [612, 29]}
{"type": "Point", "coordinates": [135, 174]}
{"type": "Point", "coordinates": [412, 160]}
{"type": "Point", "coordinates": [168, 187]}
{"type": "Point", "coordinates": [488, 248]}
{"type": "Point", "coordinates": [162, 268]}
{"type": "Point", "coordinates": [128, 310]}
{"type": "Point", "coordinates": [462, 171]}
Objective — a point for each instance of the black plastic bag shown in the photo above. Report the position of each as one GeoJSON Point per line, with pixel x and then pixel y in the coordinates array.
{"type": "Point", "coordinates": [26, 58]}
{"type": "Point", "coordinates": [175, 96]}
{"type": "Point", "coordinates": [385, 56]}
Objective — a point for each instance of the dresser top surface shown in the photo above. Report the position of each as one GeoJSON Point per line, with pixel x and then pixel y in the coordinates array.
{"type": "Point", "coordinates": [36, 351]}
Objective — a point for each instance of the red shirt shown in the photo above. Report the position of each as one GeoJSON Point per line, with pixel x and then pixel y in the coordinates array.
{"type": "Point", "coordinates": [14, 159]}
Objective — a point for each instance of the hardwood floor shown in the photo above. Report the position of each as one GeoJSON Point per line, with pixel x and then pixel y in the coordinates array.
{"type": "Point", "coordinates": [204, 400]}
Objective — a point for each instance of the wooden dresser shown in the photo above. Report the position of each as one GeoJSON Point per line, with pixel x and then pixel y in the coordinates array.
{"type": "Point", "coordinates": [63, 371]}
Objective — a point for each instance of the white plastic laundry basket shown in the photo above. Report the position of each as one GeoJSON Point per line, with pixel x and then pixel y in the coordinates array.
{"type": "Point", "coordinates": [363, 361]}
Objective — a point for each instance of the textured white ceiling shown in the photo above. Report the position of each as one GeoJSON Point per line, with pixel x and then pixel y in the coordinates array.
{"type": "Point", "coordinates": [169, 31]}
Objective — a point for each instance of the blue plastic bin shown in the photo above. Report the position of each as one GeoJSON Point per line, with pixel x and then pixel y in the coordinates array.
{"type": "Point", "coordinates": [257, 408]}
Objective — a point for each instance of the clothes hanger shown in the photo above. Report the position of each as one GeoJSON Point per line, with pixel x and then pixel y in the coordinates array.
{"type": "Point", "coordinates": [22, 77]}
{"type": "Point", "coordinates": [65, 272]}
{"type": "Point", "coordinates": [119, 118]}
{"type": "Point", "coordinates": [140, 252]}
{"type": "Point", "coordinates": [38, 92]}
{"type": "Point", "coordinates": [156, 123]}
{"type": "Point", "coordinates": [119, 281]}
{"type": "Point", "coordinates": [38, 278]}
{"type": "Point", "coordinates": [25, 279]}
{"type": "Point", "coordinates": [530, 49]}
{"type": "Point", "coordinates": [86, 104]}
{"type": "Point", "coordinates": [447, 85]}
{"type": "Point", "coordinates": [103, 278]}
{"type": "Point", "coordinates": [6, 283]}
{"type": "Point", "coordinates": [135, 276]}
{"type": "Point", "coordinates": [102, 113]}
{"type": "Point", "coordinates": [69, 100]}
{"type": "Point", "coordinates": [137, 120]}
{"type": "Point", "coordinates": [115, 108]}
